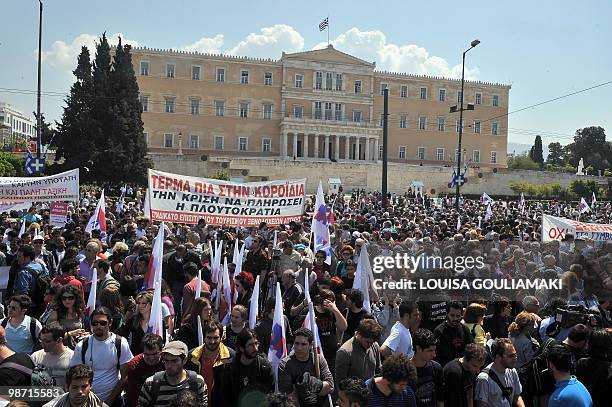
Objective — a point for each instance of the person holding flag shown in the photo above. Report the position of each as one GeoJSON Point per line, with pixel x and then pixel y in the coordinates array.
{"type": "Point", "coordinates": [121, 201]}
{"type": "Point", "coordinates": [583, 207]}
{"type": "Point", "coordinates": [98, 219]}
{"type": "Point", "coordinates": [321, 220]}
{"type": "Point", "coordinates": [486, 199]}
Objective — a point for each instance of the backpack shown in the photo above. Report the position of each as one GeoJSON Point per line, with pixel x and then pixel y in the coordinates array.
{"type": "Point", "coordinates": [157, 379]}
{"type": "Point", "coordinates": [506, 391]}
{"type": "Point", "coordinates": [40, 376]}
{"type": "Point", "coordinates": [36, 345]}
{"type": "Point", "coordinates": [117, 346]}
{"type": "Point", "coordinates": [41, 281]}
{"type": "Point", "coordinates": [533, 374]}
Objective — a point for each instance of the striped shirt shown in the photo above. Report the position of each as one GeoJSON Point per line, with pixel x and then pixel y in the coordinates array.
{"type": "Point", "coordinates": [168, 392]}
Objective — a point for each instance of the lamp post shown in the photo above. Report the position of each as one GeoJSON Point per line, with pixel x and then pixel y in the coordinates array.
{"type": "Point", "coordinates": [38, 117]}
{"type": "Point", "coordinates": [470, 107]}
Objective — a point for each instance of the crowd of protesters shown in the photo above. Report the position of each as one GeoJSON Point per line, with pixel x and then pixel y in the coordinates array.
{"type": "Point", "coordinates": [384, 347]}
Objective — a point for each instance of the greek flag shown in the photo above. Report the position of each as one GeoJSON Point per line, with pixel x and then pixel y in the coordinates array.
{"type": "Point", "coordinates": [324, 24]}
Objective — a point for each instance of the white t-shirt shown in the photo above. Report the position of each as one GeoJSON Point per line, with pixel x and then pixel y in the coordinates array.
{"type": "Point", "coordinates": [57, 365]}
{"type": "Point", "coordinates": [400, 340]}
{"type": "Point", "coordinates": [102, 357]}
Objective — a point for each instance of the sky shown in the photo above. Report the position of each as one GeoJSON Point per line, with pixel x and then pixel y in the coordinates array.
{"type": "Point", "coordinates": [543, 49]}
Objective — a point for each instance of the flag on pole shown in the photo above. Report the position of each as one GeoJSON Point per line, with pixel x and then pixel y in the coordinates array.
{"type": "Point", "coordinates": [91, 300]}
{"type": "Point", "coordinates": [522, 204]}
{"type": "Point", "coordinates": [324, 24]}
{"type": "Point", "coordinates": [156, 325]}
{"type": "Point", "coordinates": [593, 199]}
{"type": "Point", "coordinates": [237, 260]}
{"type": "Point", "coordinates": [453, 181]}
{"type": "Point", "coordinates": [362, 278]}
{"type": "Point", "coordinates": [458, 223]}
{"type": "Point", "coordinates": [98, 219]}
{"type": "Point", "coordinates": [489, 213]}
{"type": "Point", "coordinates": [275, 241]}
{"type": "Point", "coordinates": [121, 201]}
{"type": "Point", "coordinates": [485, 199]}
{"type": "Point", "coordinates": [23, 228]}
{"type": "Point", "coordinates": [278, 344]}
{"type": "Point", "coordinates": [154, 272]}
{"type": "Point", "coordinates": [200, 332]}
{"type": "Point", "coordinates": [198, 289]}
{"type": "Point", "coordinates": [583, 207]}
{"type": "Point", "coordinates": [320, 223]}
{"type": "Point", "coordinates": [227, 293]}
{"type": "Point", "coordinates": [254, 309]}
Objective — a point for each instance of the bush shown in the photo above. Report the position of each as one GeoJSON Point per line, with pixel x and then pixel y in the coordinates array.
{"type": "Point", "coordinates": [607, 173]}
{"type": "Point", "coordinates": [522, 163]}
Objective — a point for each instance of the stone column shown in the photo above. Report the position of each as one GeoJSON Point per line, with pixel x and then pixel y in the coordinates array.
{"type": "Point", "coordinates": [316, 146]}
{"type": "Point", "coordinates": [337, 148]}
{"type": "Point", "coordinates": [367, 152]}
{"type": "Point", "coordinates": [376, 149]}
{"type": "Point", "coordinates": [326, 146]}
{"type": "Point", "coordinates": [295, 152]}
{"type": "Point", "coordinates": [284, 144]}
{"type": "Point", "coordinates": [347, 147]}
{"type": "Point", "coordinates": [305, 147]}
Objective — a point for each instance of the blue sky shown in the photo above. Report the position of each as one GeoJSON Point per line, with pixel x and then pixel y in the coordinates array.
{"type": "Point", "coordinates": [544, 49]}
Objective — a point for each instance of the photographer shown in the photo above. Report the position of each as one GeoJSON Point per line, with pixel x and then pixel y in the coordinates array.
{"type": "Point", "coordinates": [576, 343]}
{"type": "Point", "coordinates": [550, 327]}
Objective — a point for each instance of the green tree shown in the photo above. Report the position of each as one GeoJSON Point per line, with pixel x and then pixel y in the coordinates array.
{"type": "Point", "coordinates": [11, 166]}
{"type": "Point", "coordinates": [556, 155]}
{"type": "Point", "coordinates": [522, 163]}
{"type": "Point", "coordinates": [536, 153]}
{"type": "Point", "coordinates": [584, 188]}
{"type": "Point", "coordinates": [591, 145]}
{"type": "Point", "coordinates": [47, 133]}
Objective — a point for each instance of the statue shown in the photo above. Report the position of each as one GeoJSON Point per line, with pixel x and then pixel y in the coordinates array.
{"type": "Point", "coordinates": [580, 167]}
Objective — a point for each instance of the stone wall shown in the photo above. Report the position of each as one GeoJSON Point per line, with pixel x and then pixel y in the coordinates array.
{"type": "Point", "coordinates": [359, 175]}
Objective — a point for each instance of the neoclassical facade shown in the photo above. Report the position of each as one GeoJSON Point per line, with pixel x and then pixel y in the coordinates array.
{"type": "Point", "coordinates": [313, 105]}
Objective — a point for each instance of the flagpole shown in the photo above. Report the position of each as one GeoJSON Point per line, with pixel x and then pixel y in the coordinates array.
{"type": "Point", "coordinates": [328, 30]}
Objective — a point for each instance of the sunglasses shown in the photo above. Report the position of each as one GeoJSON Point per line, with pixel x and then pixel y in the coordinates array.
{"type": "Point", "coordinates": [68, 297]}
{"type": "Point", "coordinates": [100, 323]}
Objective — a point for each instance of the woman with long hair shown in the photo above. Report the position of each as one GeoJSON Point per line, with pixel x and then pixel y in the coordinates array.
{"type": "Point", "coordinates": [243, 284]}
{"type": "Point", "coordinates": [188, 332]}
{"type": "Point", "coordinates": [111, 299]}
{"type": "Point", "coordinates": [472, 319]}
{"type": "Point", "coordinates": [518, 332]}
{"type": "Point", "coordinates": [137, 326]}
{"type": "Point", "coordinates": [69, 308]}
{"type": "Point", "coordinates": [120, 250]}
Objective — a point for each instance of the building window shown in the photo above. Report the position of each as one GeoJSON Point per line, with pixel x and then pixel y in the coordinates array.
{"type": "Point", "coordinates": [267, 111]}
{"type": "Point", "coordinates": [168, 140]}
{"type": "Point", "coordinates": [402, 152]}
{"type": "Point", "coordinates": [220, 74]}
{"type": "Point", "coordinates": [144, 102]}
{"type": "Point", "coordinates": [268, 78]}
{"type": "Point", "coordinates": [144, 68]}
{"type": "Point", "coordinates": [357, 86]}
{"type": "Point", "coordinates": [440, 154]}
{"type": "Point", "coordinates": [298, 111]}
{"type": "Point", "coordinates": [338, 81]}
{"type": "Point", "coordinates": [404, 91]}
{"type": "Point", "coordinates": [195, 72]}
{"type": "Point", "coordinates": [170, 70]}
{"type": "Point", "coordinates": [380, 151]}
{"type": "Point", "coordinates": [402, 121]}
{"type": "Point", "coordinates": [356, 116]}
{"type": "Point", "coordinates": [169, 104]}
{"type": "Point", "coordinates": [493, 157]}
{"type": "Point", "coordinates": [244, 77]}
{"type": "Point", "coordinates": [195, 106]}
{"type": "Point", "coordinates": [457, 128]}
{"type": "Point", "coordinates": [382, 119]}
{"type": "Point", "coordinates": [478, 99]}
{"type": "Point", "coordinates": [318, 111]}
{"type": "Point", "coordinates": [338, 112]}
{"type": "Point", "coordinates": [266, 145]}
{"type": "Point", "coordinates": [441, 124]}
{"type": "Point", "coordinates": [459, 96]}
{"type": "Point", "coordinates": [194, 142]}
{"type": "Point", "coordinates": [495, 100]}
{"type": "Point", "coordinates": [421, 153]}
{"type": "Point", "coordinates": [319, 80]}
{"type": "Point", "coordinates": [477, 126]}
{"type": "Point", "coordinates": [244, 109]}
{"type": "Point", "coordinates": [423, 122]}
{"type": "Point", "coordinates": [328, 110]}
{"type": "Point", "coordinates": [328, 81]}
{"type": "Point", "coordinates": [242, 143]}
{"type": "Point", "coordinates": [442, 95]}
{"type": "Point", "coordinates": [476, 156]}
{"type": "Point", "coordinates": [299, 81]}
{"type": "Point", "coordinates": [219, 143]}
{"type": "Point", "coordinates": [424, 93]}
{"type": "Point", "coordinates": [494, 128]}
{"type": "Point", "coordinates": [219, 108]}
{"type": "Point", "coordinates": [383, 86]}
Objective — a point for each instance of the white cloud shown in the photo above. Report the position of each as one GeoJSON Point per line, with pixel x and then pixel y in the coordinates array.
{"type": "Point", "coordinates": [410, 58]}
{"type": "Point", "coordinates": [206, 45]}
{"type": "Point", "coordinates": [65, 55]}
{"type": "Point", "coordinates": [270, 43]}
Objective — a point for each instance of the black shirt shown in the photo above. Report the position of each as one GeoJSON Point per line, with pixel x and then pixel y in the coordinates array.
{"type": "Point", "coordinates": [457, 383]}
{"type": "Point", "coordinates": [12, 377]}
{"type": "Point", "coordinates": [326, 322]}
{"type": "Point", "coordinates": [429, 387]}
{"type": "Point", "coordinates": [352, 320]}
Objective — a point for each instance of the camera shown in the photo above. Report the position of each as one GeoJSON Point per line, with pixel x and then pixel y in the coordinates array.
{"type": "Point", "coordinates": [572, 315]}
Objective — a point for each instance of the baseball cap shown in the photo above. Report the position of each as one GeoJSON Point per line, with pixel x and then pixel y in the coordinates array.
{"type": "Point", "coordinates": [38, 238]}
{"type": "Point", "coordinates": [176, 348]}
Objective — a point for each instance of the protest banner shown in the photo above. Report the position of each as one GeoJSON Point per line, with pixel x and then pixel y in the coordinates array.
{"type": "Point", "coordinates": [14, 206]}
{"type": "Point", "coordinates": [58, 213]}
{"type": "Point", "coordinates": [554, 228]}
{"type": "Point", "coordinates": [59, 187]}
{"type": "Point", "coordinates": [185, 199]}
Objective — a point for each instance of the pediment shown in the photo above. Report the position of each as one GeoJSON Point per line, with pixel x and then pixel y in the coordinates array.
{"type": "Point", "coordinates": [329, 54]}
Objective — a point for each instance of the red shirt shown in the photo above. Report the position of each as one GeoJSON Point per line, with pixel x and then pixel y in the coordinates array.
{"type": "Point", "coordinates": [206, 370]}
{"type": "Point", "coordinates": [138, 372]}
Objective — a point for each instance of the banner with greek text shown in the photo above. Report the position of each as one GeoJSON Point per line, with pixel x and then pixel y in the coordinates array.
{"type": "Point", "coordinates": [554, 228]}
{"type": "Point", "coordinates": [59, 187]}
{"type": "Point", "coordinates": [185, 199]}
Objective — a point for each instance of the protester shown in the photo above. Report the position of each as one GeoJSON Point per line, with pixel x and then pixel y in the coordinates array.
{"type": "Point", "coordinates": [460, 375]}
{"type": "Point", "coordinates": [54, 356]}
{"type": "Point", "coordinates": [360, 356]}
{"type": "Point", "coordinates": [429, 385]}
{"type": "Point", "coordinates": [400, 340]}
{"type": "Point", "coordinates": [452, 335]}
{"type": "Point", "coordinates": [15, 367]}
{"type": "Point", "coordinates": [79, 382]}
{"type": "Point", "coordinates": [568, 390]}
{"type": "Point", "coordinates": [21, 330]}
{"type": "Point", "coordinates": [391, 387]}
{"type": "Point", "coordinates": [498, 385]}
{"type": "Point", "coordinates": [143, 366]}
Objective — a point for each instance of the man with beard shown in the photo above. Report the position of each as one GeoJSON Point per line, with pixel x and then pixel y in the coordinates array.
{"type": "Point", "coordinates": [498, 384]}
{"type": "Point", "coordinates": [391, 389]}
{"type": "Point", "coordinates": [250, 376]}
{"type": "Point", "coordinates": [209, 360]}
{"type": "Point", "coordinates": [107, 353]}
{"type": "Point", "coordinates": [452, 335]}
{"type": "Point", "coordinates": [161, 388]}
{"type": "Point", "coordinates": [143, 366]}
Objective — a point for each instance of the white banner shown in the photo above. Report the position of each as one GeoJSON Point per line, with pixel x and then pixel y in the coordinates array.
{"type": "Point", "coordinates": [59, 187]}
{"type": "Point", "coordinates": [554, 228]}
{"type": "Point", "coordinates": [14, 206]}
{"type": "Point", "coordinates": [185, 199]}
